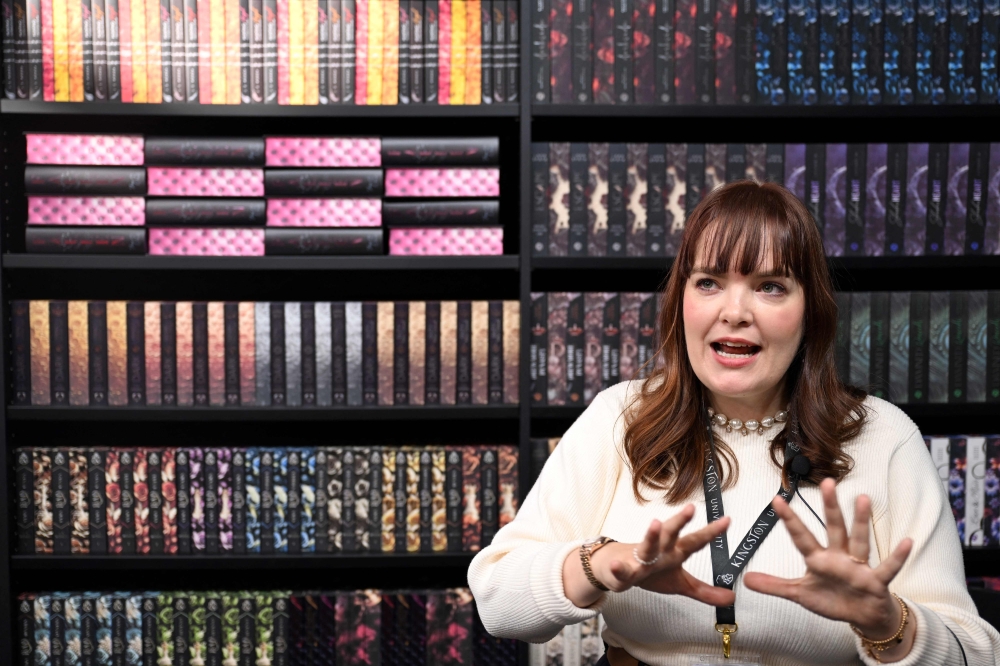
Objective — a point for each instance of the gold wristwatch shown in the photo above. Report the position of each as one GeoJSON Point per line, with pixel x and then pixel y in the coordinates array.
{"type": "Point", "coordinates": [588, 548]}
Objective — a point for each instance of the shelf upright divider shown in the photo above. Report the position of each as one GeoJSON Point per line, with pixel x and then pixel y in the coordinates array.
{"type": "Point", "coordinates": [6, 598]}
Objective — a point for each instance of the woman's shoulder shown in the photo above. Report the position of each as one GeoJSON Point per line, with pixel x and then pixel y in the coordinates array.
{"type": "Point", "coordinates": [885, 424]}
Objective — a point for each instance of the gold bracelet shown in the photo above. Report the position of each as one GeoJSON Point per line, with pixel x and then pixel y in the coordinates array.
{"type": "Point", "coordinates": [588, 548]}
{"type": "Point", "coordinates": [876, 647]}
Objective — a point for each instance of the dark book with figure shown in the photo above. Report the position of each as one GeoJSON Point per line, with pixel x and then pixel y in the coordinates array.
{"type": "Point", "coordinates": [803, 52]}
{"type": "Point", "coordinates": [453, 498]}
{"type": "Point", "coordinates": [321, 505]}
{"type": "Point", "coordinates": [899, 342]}
{"type": "Point", "coordinates": [494, 354]}
{"type": "Point", "coordinates": [575, 349]}
{"type": "Point", "coordinates": [426, 510]}
{"type": "Point", "coordinates": [860, 46]}
{"type": "Point", "coordinates": [58, 353]}
{"type": "Point", "coordinates": [875, 207]}
{"type": "Point", "coordinates": [348, 59]}
{"type": "Point", "coordinates": [655, 200]}
{"type": "Point", "coordinates": [270, 51]}
{"type": "Point", "coordinates": [338, 349]}
{"type": "Point", "coordinates": [685, 53]}
{"type": "Point", "coordinates": [26, 632]}
{"type": "Point", "coordinates": [724, 51]}
{"type": "Point", "coordinates": [705, 47]}
{"type": "Point", "coordinates": [168, 353]}
{"type": "Point", "coordinates": [431, 38]}
{"type": "Point", "coordinates": [617, 184]}
{"type": "Point", "coordinates": [582, 41]}
{"type": "Point", "coordinates": [558, 203]}
{"type": "Point", "coordinates": [401, 353]}
{"type": "Point", "coordinates": [955, 210]}
{"type": "Point", "coordinates": [611, 343]}
{"type": "Point", "coordinates": [916, 199]}
{"type": "Point", "coordinates": [369, 353]}
{"type": "Point", "coordinates": [675, 197]}
{"type": "Point", "coordinates": [277, 354]}
{"type": "Point", "coordinates": [126, 474]}
{"type": "Point", "coordinates": [214, 151]}
{"type": "Point", "coordinates": [293, 511]}
{"type": "Point", "coordinates": [623, 52]}
{"type": "Point", "coordinates": [772, 53]}
{"type": "Point", "coordinates": [178, 49]}
{"type": "Point", "coordinates": [835, 52]}
{"type": "Point", "coordinates": [560, 56]}
{"type": "Point", "coordinates": [81, 240]}
{"type": "Point", "coordinates": [993, 346]}
{"type": "Point", "coordinates": [976, 197]}
{"type": "Point", "coordinates": [539, 199]}
{"type": "Point", "coordinates": [463, 354]}
{"type": "Point", "coordinates": [538, 348]}
{"type": "Point", "coordinates": [474, 212]}
{"type": "Point", "coordinates": [895, 199]}
{"type": "Point", "coordinates": [191, 45]}
{"type": "Point", "coordinates": [958, 339]}
{"type": "Point", "coordinates": [842, 339]}
{"type": "Point", "coordinates": [876, 55]}
{"type": "Point", "coordinates": [432, 353]}
{"type": "Point", "coordinates": [937, 196]}
{"type": "Point", "coordinates": [210, 474]}
{"type": "Point", "coordinates": [199, 360]}
{"type": "Point", "coordinates": [323, 182]}
{"type": "Point", "coordinates": [126, 181]}
{"type": "Point", "coordinates": [97, 345]}
{"type": "Point", "coordinates": [663, 67]}
{"type": "Point", "coordinates": [231, 344]}
{"type": "Point", "coordinates": [418, 92]}
{"type": "Point", "coordinates": [21, 342]}
{"type": "Point", "coordinates": [267, 501]}
{"type": "Point", "coordinates": [307, 351]}
{"type": "Point", "coordinates": [154, 484]}
{"type": "Point", "coordinates": [322, 241]}
{"type": "Point", "coordinates": [878, 372]}
{"type": "Point", "coordinates": [920, 334]}
{"type": "Point", "coordinates": [204, 211]}
{"type": "Point", "coordinates": [182, 474]}
{"type": "Point", "coordinates": [61, 505]}
{"type": "Point", "coordinates": [695, 177]}
{"type": "Point", "coordinates": [490, 511]}
{"type": "Point", "coordinates": [499, 57]}
{"type": "Point", "coordinates": [24, 486]}
{"type": "Point", "coordinates": [136, 356]}
{"type": "Point", "coordinates": [512, 73]}
{"type": "Point", "coordinates": [854, 219]}
{"type": "Point", "coordinates": [578, 175]}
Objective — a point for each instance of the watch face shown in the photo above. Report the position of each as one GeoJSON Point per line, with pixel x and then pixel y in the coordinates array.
{"type": "Point", "coordinates": [593, 541]}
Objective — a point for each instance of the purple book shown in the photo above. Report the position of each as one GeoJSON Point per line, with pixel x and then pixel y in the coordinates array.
{"type": "Point", "coordinates": [834, 231]}
{"type": "Point", "coordinates": [956, 482]}
{"type": "Point", "coordinates": [958, 191]}
{"type": "Point", "coordinates": [991, 506]}
{"type": "Point", "coordinates": [991, 245]}
{"type": "Point", "coordinates": [875, 200]}
{"type": "Point", "coordinates": [795, 169]}
{"type": "Point", "coordinates": [915, 231]}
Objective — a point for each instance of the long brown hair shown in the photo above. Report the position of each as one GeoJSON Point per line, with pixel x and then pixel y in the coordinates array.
{"type": "Point", "coordinates": [744, 224]}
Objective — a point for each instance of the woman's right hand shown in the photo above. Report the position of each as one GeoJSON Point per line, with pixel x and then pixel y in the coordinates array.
{"type": "Point", "coordinates": [615, 566]}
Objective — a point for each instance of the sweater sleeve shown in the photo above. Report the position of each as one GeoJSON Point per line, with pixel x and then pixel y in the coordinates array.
{"type": "Point", "coordinates": [932, 582]}
{"type": "Point", "coordinates": [517, 580]}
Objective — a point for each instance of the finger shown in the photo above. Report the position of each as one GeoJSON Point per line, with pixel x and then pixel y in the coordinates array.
{"type": "Point", "coordinates": [705, 593]}
{"type": "Point", "coordinates": [859, 544]}
{"type": "Point", "coordinates": [649, 548]}
{"type": "Point", "coordinates": [836, 530]}
{"type": "Point", "coordinates": [886, 571]}
{"type": "Point", "coordinates": [695, 541]}
{"type": "Point", "coordinates": [801, 536]}
{"type": "Point", "coordinates": [785, 588]}
{"type": "Point", "coordinates": [672, 527]}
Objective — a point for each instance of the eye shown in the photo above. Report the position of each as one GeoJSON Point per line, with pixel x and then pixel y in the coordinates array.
{"type": "Point", "coordinates": [772, 288]}
{"type": "Point", "coordinates": [704, 283]}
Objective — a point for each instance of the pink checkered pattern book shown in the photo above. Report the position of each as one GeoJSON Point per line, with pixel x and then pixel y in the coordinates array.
{"type": "Point", "coordinates": [451, 241]}
{"type": "Point", "coordinates": [88, 211]}
{"type": "Point", "coordinates": [294, 151]}
{"type": "Point", "coordinates": [442, 182]}
{"type": "Point", "coordinates": [96, 149]}
{"type": "Point", "coordinates": [179, 182]}
{"type": "Point", "coordinates": [324, 212]}
{"type": "Point", "coordinates": [207, 242]}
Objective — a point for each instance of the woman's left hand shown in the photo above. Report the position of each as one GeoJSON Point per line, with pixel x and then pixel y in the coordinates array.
{"type": "Point", "coordinates": [838, 583]}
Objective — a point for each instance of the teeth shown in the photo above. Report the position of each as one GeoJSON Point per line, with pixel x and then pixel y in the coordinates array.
{"type": "Point", "coordinates": [725, 354]}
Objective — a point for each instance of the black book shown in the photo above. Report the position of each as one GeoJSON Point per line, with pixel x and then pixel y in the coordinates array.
{"type": "Point", "coordinates": [540, 82]}
{"type": "Point", "coordinates": [307, 316]}
{"type": "Point", "coordinates": [278, 382]}
{"type": "Point", "coordinates": [126, 467]}
{"type": "Point", "coordinates": [191, 46]}
{"type": "Point", "coordinates": [416, 60]}
{"type": "Point", "coordinates": [267, 501]}
{"type": "Point", "coordinates": [401, 353]}
{"type": "Point", "coordinates": [178, 49]}
{"type": "Point", "coordinates": [213, 629]}
{"type": "Point", "coordinates": [97, 501]}
{"type": "Point", "coordinates": [231, 345]}
{"type": "Point", "coordinates": [59, 353]}
{"type": "Point", "coordinates": [647, 334]}
{"type": "Point", "coordinates": [154, 483]}
{"type": "Point", "coordinates": [499, 57]}
{"type": "Point", "coordinates": [816, 182]}
{"type": "Point", "coordinates": [338, 346]}
{"type": "Point", "coordinates": [583, 47]}
{"type": "Point", "coordinates": [538, 348]}
{"type": "Point", "coordinates": [736, 162]}
{"type": "Point", "coordinates": [100, 41]}
{"type": "Point", "coordinates": [993, 346]}
{"type": "Point", "coordinates": [842, 341]}
{"type": "Point", "coordinates": [405, 46]}
{"type": "Point", "coordinates": [150, 635]}
{"type": "Point", "coordinates": [958, 352]}
{"type": "Point", "coordinates": [334, 50]}
{"type": "Point", "coordinates": [239, 512]}
{"type": "Point", "coordinates": [293, 514]}
{"type": "Point", "coordinates": [539, 199]}
{"type": "Point", "coordinates": [348, 515]}
{"type": "Point", "coordinates": [181, 628]}
{"type": "Point", "coordinates": [247, 629]}
{"type": "Point", "coordinates": [937, 196]}
{"type": "Point", "coordinates": [774, 164]}
{"type": "Point", "coordinates": [656, 176]}
{"type": "Point", "coordinates": [490, 510]}
{"type": "Point", "coordinates": [494, 360]}
{"type": "Point", "coordinates": [611, 343]}
{"type": "Point", "coordinates": [279, 631]}
{"type": "Point", "coordinates": [453, 498]}
{"type": "Point", "coordinates": [624, 93]}
{"type": "Point", "coordinates": [575, 350]}
{"type": "Point", "coordinates": [26, 630]}
{"type": "Point", "coordinates": [432, 353]}
{"type": "Point", "coordinates": [431, 27]}
{"type": "Point", "coordinates": [88, 631]}
{"type": "Point", "coordinates": [210, 481]}
{"type": "Point", "coordinates": [486, 45]}
{"type": "Point", "coordinates": [920, 326]}
{"type": "Point", "coordinates": [704, 62]}
{"type": "Point", "coordinates": [399, 493]}
{"type": "Point", "coordinates": [57, 627]}
{"type": "Point", "coordinates": [166, 50]}
{"type": "Point", "coordinates": [895, 198]}
{"type": "Point", "coordinates": [119, 629]}
{"type": "Point", "coordinates": [374, 527]}
{"type": "Point", "coordinates": [876, 55]}
{"type": "Point", "coordinates": [199, 343]}
{"type": "Point", "coordinates": [127, 181]}
{"type": "Point", "coordinates": [345, 241]}
{"type": "Point", "coordinates": [664, 52]}
{"type": "Point", "coordinates": [878, 371]}
{"type": "Point", "coordinates": [476, 151]}
{"type": "Point", "coordinates": [746, 51]}
{"type": "Point", "coordinates": [9, 50]}
{"type": "Point", "coordinates": [369, 353]}
{"type": "Point", "coordinates": [22, 80]}
{"type": "Point", "coordinates": [475, 212]}
{"type": "Point", "coordinates": [136, 357]}
{"type": "Point", "coordinates": [21, 361]}
{"type": "Point", "coordinates": [256, 51]}
{"type": "Point", "coordinates": [168, 353]}
{"type": "Point", "coordinates": [322, 182]}
{"type": "Point", "coordinates": [854, 241]}
{"type": "Point", "coordinates": [512, 73]}
{"type": "Point", "coordinates": [182, 473]}
{"type": "Point", "coordinates": [579, 164]}
{"type": "Point", "coordinates": [617, 183]}
{"type": "Point", "coordinates": [24, 486]}
{"type": "Point", "coordinates": [222, 151]}
{"type": "Point", "coordinates": [206, 212]}
{"type": "Point", "coordinates": [320, 516]}
{"type": "Point", "coordinates": [978, 190]}
{"type": "Point", "coordinates": [33, 12]}
{"type": "Point", "coordinates": [84, 240]}
{"type": "Point", "coordinates": [62, 515]}
{"type": "Point", "coordinates": [97, 345]}
{"type": "Point", "coordinates": [426, 508]}
{"type": "Point", "coordinates": [695, 176]}
{"type": "Point", "coordinates": [348, 17]}
{"type": "Point", "coordinates": [463, 354]}
{"type": "Point", "coordinates": [245, 76]}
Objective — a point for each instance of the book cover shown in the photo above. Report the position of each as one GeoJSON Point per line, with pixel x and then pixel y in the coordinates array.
{"type": "Point", "coordinates": [617, 202]}
{"type": "Point", "coordinates": [23, 338]}
{"type": "Point", "coordinates": [578, 177]}
{"type": "Point", "coordinates": [192, 64]}
{"type": "Point", "coordinates": [479, 351]}
{"type": "Point", "coordinates": [611, 341]}
{"type": "Point", "coordinates": [919, 347]}
{"type": "Point", "coordinates": [878, 342]}
{"type": "Point", "coordinates": [695, 181]}
{"type": "Point", "coordinates": [311, 52]}
{"type": "Point", "coordinates": [338, 355]}
{"type": "Point", "coordinates": [836, 190]}
{"type": "Point", "coordinates": [675, 196]}
{"type": "Point", "coordinates": [353, 330]}
{"type": "Point", "coordinates": [628, 359]}
{"type": "Point", "coordinates": [418, 89]}
{"type": "Point", "coordinates": [977, 336]}
{"type": "Point", "coordinates": [936, 196]}
{"type": "Point", "coordinates": [178, 49]}
{"type": "Point", "coordinates": [463, 352]}
{"type": "Point", "coordinates": [636, 192]}
{"type": "Point", "coordinates": [992, 224]}
{"type": "Point", "coordinates": [39, 352]}
{"type": "Point", "coordinates": [59, 368]}
{"type": "Point", "coordinates": [61, 508]}
{"type": "Point", "coordinates": [24, 479]}
{"type": "Point", "coordinates": [490, 513]}
{"type": "Point", "coordinates": [860, 47]}
{"type": "Point", "coordinates": [128, 518]}
{"type": "Point", "coordinates": [44, 497]}
{"type": "Point", "coordinates": [472, 498]}
{"type": "Point", "coordinates": [899, 341]}
{"type": "Point", "coordinates": [384, 353]}
{"type": "Point", "coordinates": [939, 345]}
{"type": "Point", "coordinates": [899, 52]}
{"type": "Point", "coordinates": [955, 211]}
{"type": "Point", "coordinates": [976, 197]}
{"type": "Point", "coordinates": [558, 199]}
{"type": "Point", "coordinates": [117, 353]}
{"type": "Point", "coordinates": [538, 349]}
{"type": "Point", "coordinates": [405, 41]}
{"type": "Point", "coordinates": [597, 199]}
{"type": "Point", "coordinates": [556, 377]}
{"type": "Point", "coordinates": [958, 359]}
{"type": "Point", "coordinates": [369, 354]}
{"type": "Point", "coordinates": [873, 208]}
{"type": "Point", "coordinates": [540, 176]}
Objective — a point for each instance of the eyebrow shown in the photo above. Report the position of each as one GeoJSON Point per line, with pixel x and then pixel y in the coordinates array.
{"type": "Point", "coordinates": [769, 274]}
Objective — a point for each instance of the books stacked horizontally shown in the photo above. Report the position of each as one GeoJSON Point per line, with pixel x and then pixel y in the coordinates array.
{"type": "Point", "coordinates": [208, 501]}
{"type": "Point", "coordinates": [876, 199]}
{"type": "Point", "coordinates": [262, 51]}
{"type": "Point", "coordinates": [450, 209]}
{"type": "Point", "coordinates": [352, 627]}
{"type": "Point", "coordinates": [760, 52]}
{"type": "Point", "coordinates": [969, 467]}
{"type": "Point", "coordinates": [135, 353]}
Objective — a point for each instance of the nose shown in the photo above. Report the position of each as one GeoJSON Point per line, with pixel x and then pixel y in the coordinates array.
{"type": "Point", "coordinates": [737, 306]}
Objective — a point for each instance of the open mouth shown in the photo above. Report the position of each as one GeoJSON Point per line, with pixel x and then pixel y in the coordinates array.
{"type": "Point", "coordinates": [735, 349]}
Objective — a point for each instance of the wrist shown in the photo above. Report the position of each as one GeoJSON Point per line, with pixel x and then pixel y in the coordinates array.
{"type": "Point", "coordinates": [884, 622]}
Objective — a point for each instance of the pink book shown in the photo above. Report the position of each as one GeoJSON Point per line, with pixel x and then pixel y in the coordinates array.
{"type": "Point", "coordinates": [324, 212]}
{"type": "Point", "coordinates": [204, 51]}
{"type": "Point", "coordinates": [296, 151]}
{"type": "Point", "coordinates": [361, 53]}
{"type": "Point", "coordinates": [444, 51]}
{"type": "Point", "coordinates": [181, 182]}
{"type": "Point", "coordinates": [283, 53]}
{"type": "Point", "coordinates": [214, 242]}
{"type": "Point", "coordinates": [216, 353]}
{"type": "Point", "coordinates": [95, 149]}
{"type": "Point", "coordinates": [87, 211]}
{"type": "Point", "coordinates": [125, 46]}
{"type": "Point", "coordinates": [451, 241]}
{"type": "Point", "coordinates": [48, 54]}
{"type": "Point", "coordinates": [442, 182]}
{"type": "Point", "coordinates": [248, 350]}
{"type": "Point", "coordinates": [184, 328]}
{"type": "Point", "coordinates": [154, 368]}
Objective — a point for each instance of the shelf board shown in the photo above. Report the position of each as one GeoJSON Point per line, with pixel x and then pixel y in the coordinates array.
{"type": "Point", "coordinates": [376, 263]}
{"type": "Point", "coordinates": [394, 413]}
{"type": "Point", "coordinates": [950, 111]}
{"type": "Point", "coordinates": [837, 264]}
{"type": "Point", "coordinates": [230, 562]}
{"type": "Point", "coordinates": [25, 107]}
{"type": "Point", "coordinates": [915, 411]}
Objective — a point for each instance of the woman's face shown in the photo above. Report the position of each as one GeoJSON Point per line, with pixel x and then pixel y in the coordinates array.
{"type": "Point", "coordinates": [742, 331]}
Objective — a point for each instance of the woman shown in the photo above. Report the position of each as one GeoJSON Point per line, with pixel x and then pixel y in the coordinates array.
{"type": "Point", "coordinates": [747, 326]}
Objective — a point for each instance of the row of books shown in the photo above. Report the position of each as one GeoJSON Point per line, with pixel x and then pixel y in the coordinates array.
{"type": "Point", "coordinates": [135, 353]}
{"type": "Point", "coordinates": [969, 468]}
{"type": "Point", "coordinates": [583, 343]}
{"type": "Point", "coordinates": [238, 501]}
{"type": "Point", "coordinates": [857, 52]}
{"type": "Point", "coordinates": [262, 51]}
{"type": "Point", "coordinates": [876, 199]}
{"type": "Point", "coordinates": [279, 627]}
{"type": "Point", "coordinates": [575, 645]}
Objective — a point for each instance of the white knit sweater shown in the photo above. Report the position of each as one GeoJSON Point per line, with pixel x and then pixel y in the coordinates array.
{"type": "Point", "coordinates": [585, 490]}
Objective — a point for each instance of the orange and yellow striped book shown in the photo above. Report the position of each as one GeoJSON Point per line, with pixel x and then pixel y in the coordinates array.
{"type": "Point", "coordinates": [233, 85]}
{"type": "Point", "coordinates": [137, 23]}
{"type": "Point", "coordinates": [154, 65]}
{"type": "Point", "coordinates": [217, 48]}
{"type": "Point", "coordinates": [376, 55]}
{"type": "Point", "coordinates": [74, 19]}
{"type": "Point", "coordinates": [296, 53]}
{"type": "Point", "coordinates": [204, 10]}
{"type": "Point", "coordinates": [473, 52]}
{"type": "Point", "coordinates": [60, 39]}
{"type": "Point", "coordinates": [458, 40]}
{"type": "Point", "coordinates": [390, 54]}
{"type": "Point", "coordinates": [310, 14]}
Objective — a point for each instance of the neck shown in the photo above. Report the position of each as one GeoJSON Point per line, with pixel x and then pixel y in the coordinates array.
{"type": "Point", "coordinates": [757, 406]}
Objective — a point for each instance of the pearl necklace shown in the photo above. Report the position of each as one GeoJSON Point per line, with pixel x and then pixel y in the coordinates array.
{"type": "Point", "coordinates": [751, 425]}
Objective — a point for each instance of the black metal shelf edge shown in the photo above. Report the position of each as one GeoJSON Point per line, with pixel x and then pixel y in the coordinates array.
{"type": "Point", "coordinates": [836, 263]}
{"type": "Point", "coordinates": [393, 413]}
{"type": "Point", "coordinates": [761, 111]}
{"type": "Point", "coordinates": [382, 262]}
{"type": "Point", "coordinates": [916, 411]}
{"type": "Point", "coordinates": [17, 106]}
{"type": "Point", "coordinates": [248, 562]}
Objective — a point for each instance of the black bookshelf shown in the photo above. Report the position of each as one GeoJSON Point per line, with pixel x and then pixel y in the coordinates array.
{"type": "Point", "coordinates": [760, 111]}
{"type": "Point", "coordinates": [183, 414]}
{"type": "Point", "coordinates": [507, 263]}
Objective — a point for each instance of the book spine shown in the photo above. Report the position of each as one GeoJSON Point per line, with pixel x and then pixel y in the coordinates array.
{"type": "Point", "coordinates": [256, 48]}
{"type": "Point", "coordinates": [270, 51]}
{"type": "Point", "coordinates": [246, 76]}
{"type": "Point", "coordinates": [74, 36]}
{"type": "Point", "coordinates": [540, 51]}
{"type": "Point", "coordinates": [495, 353]}
{"type": "Point", "coordinates": [182, 470]}
{"type": "Point", "coordinates": [425, 499]}
{"type": "Point", "coordinates": [432, 351]}
{"type": "Point", "coordinates": [704, 59]}
{"type": "Point", "coordinates": [9, 49]}
{"type": "Point", "coordinates": [624, 93]}
{"type": "Point", "coordinates": [153, 541]}
{"type": "Point", "coordinates": [225, 51]}
{"type": "Point", "coordinates": [418, 91]}
{"type": "Point", "coordinates": [168, 53]}
{"type": "Point", "coordinates": [490, 489]}
{"type": "Point", "coordinates": [335, 48]}
{"type": "Point", "coordinates": [136, 335]}
{"type": "Point", "coordinates": [463, 361]}
{"type": "Point", "coordinates": [611, 342]}
{"type": "Point", "coordinates": [663, 39]}
{"type": "Point", "coordinates": [899, 340]}
{"type": "Point", "coordinates": [579, 163]}
{"type": "Point", "coordinates": [21, 362]}
{"type": "Point", "coordinates": [293, 354]}
{"type": "Point", "coordinates": [617, 184]}
{"type": "Point", "coordinates": [323, 52]}
{"type": "Point", "coordinates": [486, 51]}
{"type": "Point", "coordinates": [498, 56]}
{"type": "Point", "coordinates": [48, 49]}
{"type": "Point", "coordinates": [41, 462]}
{"type": "Point", "coordinates": [473, 52]}
{"type": "Point", "coordinates": [937, 197]}
{"type": "Point", "coordinates": [348, 515]}
{"type": "Point", "coordinates": [323, 241]}
{"type": "Point", "coordinates": [178, 50]}
{"type": "Point", "coordinates": [293, 512]}
{"type": "Point", "coordinates": [958, 359]}
{"type": "Point", "coordinates": [97, 345]}
{"type": "Point", "coordinates": [538, 349]}
{"type": "Point", "coordinates": [269, 518]}
{"type": "Point", "coordinates": [856, 193]}
{"type": "Point", "coordinates": [512, 73]}
{"type": "Point", "coordinates": [992, 351]}
{"type": "Point", "coordinates": [453, 498]}
{"type": "Point", "coordinates": [231, 358]}
{"type": "Point", "coordinates": [200, 358]}
{"type": "Point", "coordinates": [307, 351]}
{"type": "Point", "coordinates": [126, 474]}
{"type": "Point", "coordinates": [58, 353]}
{"type": "Point", "coordinates": [919, 377]}
{"type": "Point", "coordinates": [575, 349]}
{"type": "Point", "coordinates": [24, 486]}
{"type": "Point", "coordinates": [977, 336]}
{"type": "Point", "coordinates": [878, 372]}
{"type": "Point", "coordinates": [539, 199]}
{"type": "Point", "coordinates": [895, 198]}
{"type": "Point", "coordinates": [989, 86]}
{"type": "Point", "coordinates": [976, 197]}
{"type": "Point", "coordinates": [939, 356]}
{"type": "Point", "coordinates": [100, 49]}
{"type": "Point", "coordinates": [349, 59]}
{"type": "Point", "coordinates": [401, 353]}
{"type": "Point", "coordinates": [803, 66]}
{"type": "Point", "coordinates": [61, 516]}
{"type": "Point", "coordinates": [338, 361]}
{"type": "Point", "coordinates": [430, 60]}
{"type": "Point", "coordinates": [405, 46]}
{"type": "Point", "coordinates": [113, 50]}
{"type": "Point", "coordinates": [369, 353]}
{"type": "Point", "coordinates": [859, 346]}
{"type": "Point", "coordinates": [276, 354]}
{"type": "Point", "coordinates": [876, 55]}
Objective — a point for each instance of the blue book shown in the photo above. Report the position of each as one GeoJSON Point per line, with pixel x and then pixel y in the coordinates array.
{"type": "Point", "coordinates": [803, 52]}
{"type": "Point", "coordinates": [835, 51]}
{"type": "Point", "coordinates": [772, 52]}
{"type": "Point", "coordinates": [899, 85]}
{"type": "Point", "coordinates": [989, 85]}
{"type": "Point", "coordinates": [860, 44]}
